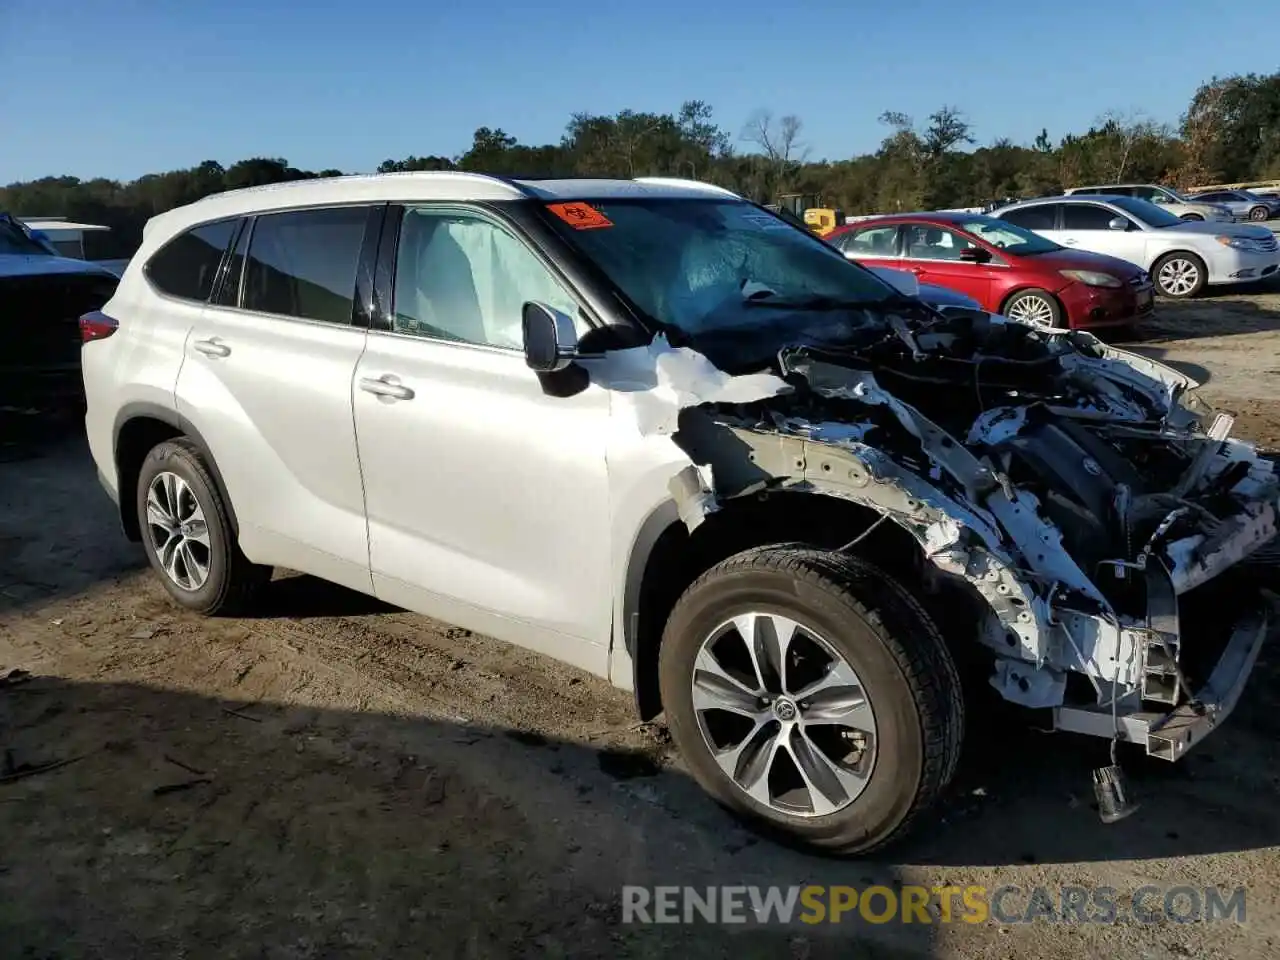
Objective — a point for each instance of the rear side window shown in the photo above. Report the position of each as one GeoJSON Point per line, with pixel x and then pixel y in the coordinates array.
{"type": "Point", "coordinates": [1034, 218]}
{"type": "Point", "coordinates": [870, 242]}
{"type": "Point", "coordinates": [303, 263]}
{"type": "Point", "coordinates": [186, 266]}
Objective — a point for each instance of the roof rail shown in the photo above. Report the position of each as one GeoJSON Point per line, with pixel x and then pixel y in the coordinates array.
{"type": "Point", "coordinates": [283, 185]}
{"type": "Point", "coordinates": [686, 182]}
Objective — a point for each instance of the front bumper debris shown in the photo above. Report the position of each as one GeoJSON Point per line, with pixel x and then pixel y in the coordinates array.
{"type": "Point", "coordinates": [1170, 735]}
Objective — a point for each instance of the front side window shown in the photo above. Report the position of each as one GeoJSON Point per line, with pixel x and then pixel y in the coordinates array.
{"type": "Point", "coordinates": [1085, 216]}
{"type": "Point", "coordinates": [702, 266]}
{"type": "Point", "coordinates": [463, 278]}
{"type": "Point", "coordinates": [187, 265]}
{"type": "Point", "coordinates": [871, 242]}
{"type": "Point", "coordinates": [303, 263]}
{"type": "Point", "coordinates": [1146, 212]}
{"type": "Point", "coordinates": [1008, 236]}
{"type": "Point", "coordinates": [926, 242]}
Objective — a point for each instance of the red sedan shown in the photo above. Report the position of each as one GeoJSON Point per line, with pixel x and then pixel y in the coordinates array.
{"type": "Point", "coordinates": [1006, 268]}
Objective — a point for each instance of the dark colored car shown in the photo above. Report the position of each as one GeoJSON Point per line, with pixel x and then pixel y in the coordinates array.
{"type": "Point", "coordinates": [1006, 268]}
{"type": "Point", "coordinates": [42, 296]}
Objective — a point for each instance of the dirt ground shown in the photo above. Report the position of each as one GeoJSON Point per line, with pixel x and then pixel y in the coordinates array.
{"type": "Point", "coordinates": [336, 778]}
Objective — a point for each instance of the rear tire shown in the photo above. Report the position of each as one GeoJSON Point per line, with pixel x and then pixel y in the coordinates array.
{"type": "Point", "coordinates": [187, 533]}
{"type": "Point", "coordinates": [892, 717]}
{"type": "Point", "coordinates": [1180, 275]}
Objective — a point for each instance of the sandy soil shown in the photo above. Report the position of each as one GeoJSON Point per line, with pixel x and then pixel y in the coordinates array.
{"type": "Point", "coordinates": [336, 778]}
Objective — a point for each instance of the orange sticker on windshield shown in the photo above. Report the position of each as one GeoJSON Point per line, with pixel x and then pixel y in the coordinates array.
{"type": "Point", "coordinates": [580, 216]}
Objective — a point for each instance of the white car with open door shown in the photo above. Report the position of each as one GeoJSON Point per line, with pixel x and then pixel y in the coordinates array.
{"type": "Point", "coordinates": [1181, 256]}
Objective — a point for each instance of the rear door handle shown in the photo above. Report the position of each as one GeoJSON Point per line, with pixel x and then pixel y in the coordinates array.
{"type": "Point", "coordinates": [917, 270]}
{"type": "Point", "coordinates": [213, 347]}
{"type": "Point", "coordinates": [386, 386]}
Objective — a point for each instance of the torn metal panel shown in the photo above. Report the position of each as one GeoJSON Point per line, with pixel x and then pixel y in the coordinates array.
{"type": "Point", "coordinates": [1051, 475]}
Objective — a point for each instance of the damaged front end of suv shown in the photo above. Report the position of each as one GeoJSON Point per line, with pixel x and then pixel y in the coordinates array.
{"type": "Point", "coordinates": [1113, 538]}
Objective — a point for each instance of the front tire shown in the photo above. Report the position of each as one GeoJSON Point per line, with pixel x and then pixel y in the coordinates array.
{"type": "Point", "coordinates": [1180, 275]}
{"type": "Point", "coordinates": [187, 533]}
{"type": "Point", "coordinates": [1191, 217]}
{"type": "Point", "coordinates": [1036, 306]}
{"type": "Point", "coordinates": [1259, 214]}
{"type": "Point", "coordinates": [836, 721]}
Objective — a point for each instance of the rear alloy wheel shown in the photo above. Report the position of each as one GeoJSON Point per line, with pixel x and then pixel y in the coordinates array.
{"type": "Point", "coordinates": [811, 694]}
{"type": "Point", "coordinates": [188, 536]}
{"type": "Point", "coordinates": [1034, 306]}
{"type": "Point", "coordinates": [1179, 275]}
{"type": "Point", "coordinates": [1259, 213]}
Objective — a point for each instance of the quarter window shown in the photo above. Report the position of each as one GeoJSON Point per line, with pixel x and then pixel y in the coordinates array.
{"type": "Point", "coordinates": [463, 278]}
{"type": "Point", "coordinates": [186, 266]}
{"type": "Point", "coordinates": [303, 263]}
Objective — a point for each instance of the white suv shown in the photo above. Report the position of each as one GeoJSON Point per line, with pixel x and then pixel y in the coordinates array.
{"type": "Point", "coordinates": [651, 429]}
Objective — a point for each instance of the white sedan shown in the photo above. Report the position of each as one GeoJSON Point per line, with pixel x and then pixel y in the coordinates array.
{"type": "Point", "coordinates": [1181, 256]}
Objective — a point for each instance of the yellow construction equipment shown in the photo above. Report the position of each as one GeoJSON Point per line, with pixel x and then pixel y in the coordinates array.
{"type": "Point", "coordinates": [808, 207]}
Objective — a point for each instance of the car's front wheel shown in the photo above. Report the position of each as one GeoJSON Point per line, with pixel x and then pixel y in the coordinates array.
{"type": "Point", "coordinates": [188, 536]}
{"type": "Point", "coordinates": [1259, 213]}
{"type": "Point", "coordinates": [1191, 217]}
{"type": "Point", "coordinates": [1034, 306]}
{"type": "Point", "coordinates": [810, 693]}
{"type": "Point", "coordinates": [1180, 274]}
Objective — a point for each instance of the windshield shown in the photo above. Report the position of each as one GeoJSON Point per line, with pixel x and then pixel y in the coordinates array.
{"type": "Point", "coordinates": [13, 239]}
{"type": "Point", "coordinates": [703, 266]}
{"type": "Point", "coordinates": [1007, 236]}
{"type": "Point", "coordinates": [1146, 211]}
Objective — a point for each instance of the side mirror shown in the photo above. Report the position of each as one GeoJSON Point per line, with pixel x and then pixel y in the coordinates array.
{"type": "Point", "coordinates": [975, 255]}
{"type": "Point", "coordinates": [550, 340]}
{"type": "Point", "coordinates": [1117, 223]}
{"type": "Point", "coordinates": [40, 236]}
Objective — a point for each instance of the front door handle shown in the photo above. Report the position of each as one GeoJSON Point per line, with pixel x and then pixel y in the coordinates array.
{"type": "Point", "coordinates": [917, 270]}
{"type": "Point", "coordinates": [213, 347]}
{"type": "Point", "coordinates": [386, 386]}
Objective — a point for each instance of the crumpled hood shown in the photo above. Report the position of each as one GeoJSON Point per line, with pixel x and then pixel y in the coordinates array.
{"type": "Point", "coordinates": [21, 265]}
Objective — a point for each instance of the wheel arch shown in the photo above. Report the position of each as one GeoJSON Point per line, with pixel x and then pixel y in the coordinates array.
{"type": "Point", "coordinates": [1024, 287]}
{"type": "Point", "coordinates": [138, 428]}
{"type": "Point", "coordinates": [666, 558]}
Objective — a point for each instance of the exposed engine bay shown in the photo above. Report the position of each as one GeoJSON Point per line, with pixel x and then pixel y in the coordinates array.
{"type": "Point", "coordinates": [1084, 495]}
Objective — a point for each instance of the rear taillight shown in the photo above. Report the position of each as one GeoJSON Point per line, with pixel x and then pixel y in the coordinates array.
{"type": "Point", "coordinates": [96, 325]}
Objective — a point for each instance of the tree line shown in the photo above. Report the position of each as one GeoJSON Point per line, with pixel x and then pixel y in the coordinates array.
{"type": "Point", "coordinates": [1230, 132]}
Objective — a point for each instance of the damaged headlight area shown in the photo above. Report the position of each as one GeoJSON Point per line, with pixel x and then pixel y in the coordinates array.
{"type": "Point", "coordinates": [1117, 540]}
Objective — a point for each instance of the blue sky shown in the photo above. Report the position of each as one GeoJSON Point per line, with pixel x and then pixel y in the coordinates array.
{"type": "Point", "coordinates": [120, 88]}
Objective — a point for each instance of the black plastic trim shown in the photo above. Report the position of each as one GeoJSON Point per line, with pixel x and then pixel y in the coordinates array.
{"type": "Point", "coordinates": [363, 302]}
{"type": "Point", "coordinates": [151, 411]}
